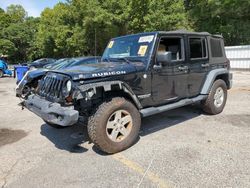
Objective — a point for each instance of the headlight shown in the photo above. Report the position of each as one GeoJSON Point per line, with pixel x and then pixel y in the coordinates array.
{"type": "Point", "coordinates": [66, 90]}
{"type": "Point", "coordinates": [69, 86]}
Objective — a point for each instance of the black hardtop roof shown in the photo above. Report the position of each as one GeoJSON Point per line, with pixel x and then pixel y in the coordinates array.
{"type": "Point", "coordinates": [184, 32]}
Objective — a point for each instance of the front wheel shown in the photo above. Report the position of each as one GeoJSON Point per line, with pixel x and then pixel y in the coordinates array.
{"type": "Point", "coordinates": [217, 97]}
{"type": "Point", "coordinates": [115, 125]}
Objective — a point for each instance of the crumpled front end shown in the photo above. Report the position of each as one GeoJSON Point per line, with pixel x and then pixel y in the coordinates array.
{"type": "Point", "coordinates": [51, 100]}
{"type": "Point", "coordinates": [52, 112]}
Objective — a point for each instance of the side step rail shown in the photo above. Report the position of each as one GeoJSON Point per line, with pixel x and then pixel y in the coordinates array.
{"type": "Point", "coordinates": [155, 110]}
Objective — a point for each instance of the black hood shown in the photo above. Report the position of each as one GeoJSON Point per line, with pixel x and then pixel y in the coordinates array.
{"type": "Point", "coordinates": [103, 69]}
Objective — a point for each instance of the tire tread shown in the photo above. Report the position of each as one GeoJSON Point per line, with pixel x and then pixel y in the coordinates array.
{"type": "Point", "coordinates": [95, 119]}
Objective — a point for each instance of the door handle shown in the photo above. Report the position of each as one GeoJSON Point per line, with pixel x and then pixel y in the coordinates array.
{"type": "Point", "coordinates": [183, 68]}
{"type": "Point", "coordinates": [205, 65]}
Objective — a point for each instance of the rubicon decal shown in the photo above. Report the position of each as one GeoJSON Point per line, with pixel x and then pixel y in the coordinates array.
{"type": "Point", "coordinates": [108, 73]}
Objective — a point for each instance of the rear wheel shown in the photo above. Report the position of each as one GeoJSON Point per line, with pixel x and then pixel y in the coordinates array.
{"type": "Point", "coordinates": [216, 100]}
{"type": "Point", "coordinates": [1, 73]}
{"type": "Point", "coordinates": [115, 125]}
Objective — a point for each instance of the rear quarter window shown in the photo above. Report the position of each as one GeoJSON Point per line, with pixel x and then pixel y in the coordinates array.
{"type": "Point", "coordinates": [216, 47]}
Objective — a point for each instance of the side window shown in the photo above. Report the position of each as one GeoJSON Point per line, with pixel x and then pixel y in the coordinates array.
{"type": "Point", "coordinates": [173, 45]}
{"type": "Point", "coordinates": [216, 47]}
{"type": "Point", "coordinates": [197, 48]}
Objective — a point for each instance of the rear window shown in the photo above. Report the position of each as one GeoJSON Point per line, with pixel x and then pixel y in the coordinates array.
{"type": "Point", "coordinates": [197, 48]}
{"type": "Point", "coordinates": [216, 48]}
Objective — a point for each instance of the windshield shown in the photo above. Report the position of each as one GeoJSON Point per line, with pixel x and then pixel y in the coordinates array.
{"type": "Point", "coordinates": [129, 46]}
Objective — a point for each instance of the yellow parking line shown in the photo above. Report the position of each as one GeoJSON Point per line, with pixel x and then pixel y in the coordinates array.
{"type": "Point", "coordinates": [137, 168]}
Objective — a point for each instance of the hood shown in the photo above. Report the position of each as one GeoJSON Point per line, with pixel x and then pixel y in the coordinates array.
{"type": "Point", "coordinates": [103, 69]}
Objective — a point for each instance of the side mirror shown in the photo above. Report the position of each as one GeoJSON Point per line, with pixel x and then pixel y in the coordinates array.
{"type": "Point", "coordinates": [164, 57]}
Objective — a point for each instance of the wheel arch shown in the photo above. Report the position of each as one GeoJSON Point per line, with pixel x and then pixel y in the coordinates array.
{"type": "Point", "coordinates": [213, 75]}
{"type": "Point", "coordinates": [225, 78]}
{"type": "Point", "coordinates": [107, 89]}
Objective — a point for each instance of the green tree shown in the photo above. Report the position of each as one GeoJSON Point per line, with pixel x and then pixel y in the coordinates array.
{"type": "Point", "coordinates": [119, 15]}
{"type": "Point", "coordinates": [228, 17]}
{"type": "Point", "coordinates": [17, 33]}
{"type": "Point", "coordinates": [17, 13]}
{"type": "Point", "coordinates": [167, 15]}
{"type": "Point", "coordinates": [59, 34]}
{"type": "Point", "coordinates": [138, 12]}
{"type": "Point", "coordinates": [83, 27]}
{"type": "Point", "coordinates": [4, 20]}
{"type": "Point", "coordinates": [7, 47]}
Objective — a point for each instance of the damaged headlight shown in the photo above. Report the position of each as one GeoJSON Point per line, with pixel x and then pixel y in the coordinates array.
{"type": "Point", "coordinates": [66, 90]}
{"type": "Point", "coordinates": [69, 85]}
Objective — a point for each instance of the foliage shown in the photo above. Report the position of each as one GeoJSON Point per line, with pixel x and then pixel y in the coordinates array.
{"type": "Point", "coordinates": [167, 15]}
{"type": "Point", "coordinates": [228, 17]}
{"type": "Point", "coordinates": [17, 33]}
{"type": "Point", "coordinates": [83, 27]}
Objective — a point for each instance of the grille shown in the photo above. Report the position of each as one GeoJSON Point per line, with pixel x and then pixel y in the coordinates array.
{"type": "Point", "coordinates": [51, 86]}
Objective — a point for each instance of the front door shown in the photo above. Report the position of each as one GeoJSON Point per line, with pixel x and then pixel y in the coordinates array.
{"type": "Point", "coordinates": [169, 80]}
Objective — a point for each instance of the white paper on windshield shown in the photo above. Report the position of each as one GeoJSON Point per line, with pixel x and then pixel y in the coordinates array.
{"type": "Point", "coordinates": [142, 50]}
{"type": "Point", "coordinates": [148, 39]}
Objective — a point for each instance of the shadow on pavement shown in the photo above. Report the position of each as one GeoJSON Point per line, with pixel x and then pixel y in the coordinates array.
{"type": "Point", "coordinates": [167, 119]}
{"type": "Point", "coordinates": [72, 138]}
{"type": "Point", "coordinates": [69, 138]}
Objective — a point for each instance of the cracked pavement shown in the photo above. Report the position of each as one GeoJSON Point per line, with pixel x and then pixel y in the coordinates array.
{"type": "Point", "coordinates": [179, 148]}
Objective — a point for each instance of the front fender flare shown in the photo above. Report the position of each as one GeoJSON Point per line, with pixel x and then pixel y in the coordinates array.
{"type": "Point", "coordinates": [88, 90]}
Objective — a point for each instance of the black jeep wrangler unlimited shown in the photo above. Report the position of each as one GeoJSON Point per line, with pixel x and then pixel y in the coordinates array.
{"type": "Point", "coordinates": [140, 75]}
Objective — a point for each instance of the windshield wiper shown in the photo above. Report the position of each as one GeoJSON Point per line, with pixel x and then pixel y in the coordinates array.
{"type": "Point", "coordinates": [106, 59]}
{"type": "Point", "coordinates": [124, 59]}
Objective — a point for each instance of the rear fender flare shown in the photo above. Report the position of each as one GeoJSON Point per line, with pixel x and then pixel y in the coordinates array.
{"type": "Point", "coordinates": [211, 78]}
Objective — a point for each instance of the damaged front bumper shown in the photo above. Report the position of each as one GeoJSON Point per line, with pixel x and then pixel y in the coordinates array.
{"type": "Point", "coordinates": [21, 85]}
{"type": "Point", "coordinates": [52, 112]}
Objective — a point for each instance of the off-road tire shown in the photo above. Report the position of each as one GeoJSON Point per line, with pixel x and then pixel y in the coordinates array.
{"type": "Point", "coordinates": [1, 73]}
{"type": "Point", "coordinates": [97, 124]}
{"type": "Point", "coordinates": [208, 105]}
{"type": "Point", "coordinates": [54, 125]}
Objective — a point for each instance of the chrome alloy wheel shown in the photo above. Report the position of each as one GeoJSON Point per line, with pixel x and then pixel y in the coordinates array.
{"type": "Point", "coordinates": [119, 125]}
{"type": "Point", "coordinates": [219, 97]}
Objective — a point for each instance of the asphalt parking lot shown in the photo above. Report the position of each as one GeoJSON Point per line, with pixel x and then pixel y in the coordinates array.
{"type": "Point", "coordinates": [179, 148]}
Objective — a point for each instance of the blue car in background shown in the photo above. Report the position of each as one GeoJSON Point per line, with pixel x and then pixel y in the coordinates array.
{"type": "Point", "coordinates": [4, 69]}
{"type": "Point", "coordinates": [40, 63]}
{"type": "Point", "coordinates": [30, 81]}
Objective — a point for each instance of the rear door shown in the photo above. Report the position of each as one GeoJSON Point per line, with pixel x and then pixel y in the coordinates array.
{"type": "Point", "coordinates": [198, 63]}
